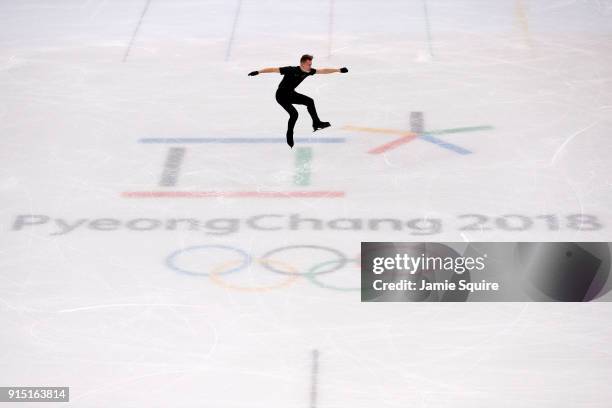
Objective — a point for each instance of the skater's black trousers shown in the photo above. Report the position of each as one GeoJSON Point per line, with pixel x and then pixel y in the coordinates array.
{"type": "Point", "coordinates": [287, 99]}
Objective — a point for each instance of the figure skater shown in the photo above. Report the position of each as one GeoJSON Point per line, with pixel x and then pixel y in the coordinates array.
{"type": "Point", "coordinates": [287, 97]}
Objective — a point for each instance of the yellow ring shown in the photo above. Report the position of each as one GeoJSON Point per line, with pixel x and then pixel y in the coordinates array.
{"type": "Point", "coordinates": [291, 277]}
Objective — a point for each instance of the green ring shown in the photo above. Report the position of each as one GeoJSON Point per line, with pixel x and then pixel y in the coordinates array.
{"type": "Point", "coordinates": [312, 276]}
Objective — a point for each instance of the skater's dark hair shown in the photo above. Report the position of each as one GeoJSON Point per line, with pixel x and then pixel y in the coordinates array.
{"type": "Point", "coordinates": [305, 57]}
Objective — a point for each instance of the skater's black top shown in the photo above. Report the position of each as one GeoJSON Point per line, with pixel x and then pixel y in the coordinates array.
{"type": "Point", "coordinates": [292, 77]}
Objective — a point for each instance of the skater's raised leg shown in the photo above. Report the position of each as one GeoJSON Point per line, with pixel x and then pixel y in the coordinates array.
{"type": "Point", "coordinates": [300, 99]}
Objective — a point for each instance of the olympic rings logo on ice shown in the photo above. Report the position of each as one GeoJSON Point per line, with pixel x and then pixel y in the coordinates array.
{"type": "Point", "coordinates": [334, 261]}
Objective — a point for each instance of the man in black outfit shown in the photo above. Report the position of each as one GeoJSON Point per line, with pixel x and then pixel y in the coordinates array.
{"type": "Point", "coordinates": [287, 97]}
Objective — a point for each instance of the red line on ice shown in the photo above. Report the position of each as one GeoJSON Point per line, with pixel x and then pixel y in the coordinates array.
{"type": "Point", "coordinates": [231, 194]}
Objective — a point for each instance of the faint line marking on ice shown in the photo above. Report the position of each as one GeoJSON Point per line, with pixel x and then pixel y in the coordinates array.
{"type": "Point", "coordinates": [230, 42]}
{"type": "Point", "coordinates": [523, 22]}
{"type": "Point", "coordinates": [239, 140]}
{"type": "Point", "coordinates": [445, 145]}
{"type": "Point", "coordinates": [172, 166]}
{"type": "Point", "coordinates": [135, 33]}
{"type": "Point", "coordinates": [417, 122]}
{"type": "Point", "coordinates": [314, 379]}
{"type": "Point", "coordinates": [408, 136]}
{"type": "Point", "coordinates": [303, 158]}
{"type": "Point", "coordinates": [569, 139]}
{"type": "Point", "coordinates": [97, 10]}
{"type": "Point", "coordinates": [330, 28]}
{"type": "Point", "coordinates": [428, 28]}
{"type": "Point", "coordinates": [417, 125]}
{"type": "Point", "coordinates": [174, 160]}
{"type": "Point", "coordinates": [234, 194]}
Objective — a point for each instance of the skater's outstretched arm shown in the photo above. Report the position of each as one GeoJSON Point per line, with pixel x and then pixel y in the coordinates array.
{"type": "Point", "coordinates": [331, 70]}
{"type": "Point", "coordinates": [264, 71]}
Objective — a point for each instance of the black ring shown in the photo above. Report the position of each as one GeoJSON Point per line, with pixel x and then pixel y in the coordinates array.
{"type": "Point", "coordinates": [342, 258]}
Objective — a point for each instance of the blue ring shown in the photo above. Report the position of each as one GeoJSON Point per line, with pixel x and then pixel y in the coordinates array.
{"type": "Point", "coordinates": [170, 259]}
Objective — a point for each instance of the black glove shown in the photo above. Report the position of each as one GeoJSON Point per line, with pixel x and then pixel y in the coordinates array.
{"type": "Point", "coordinates": [344, 70]}
{"type": "Point", "coordinates": [253, 73]}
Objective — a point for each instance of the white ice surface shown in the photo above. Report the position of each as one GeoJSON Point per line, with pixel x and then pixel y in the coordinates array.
{"type": "Point", "coordinates": [81, 82]}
